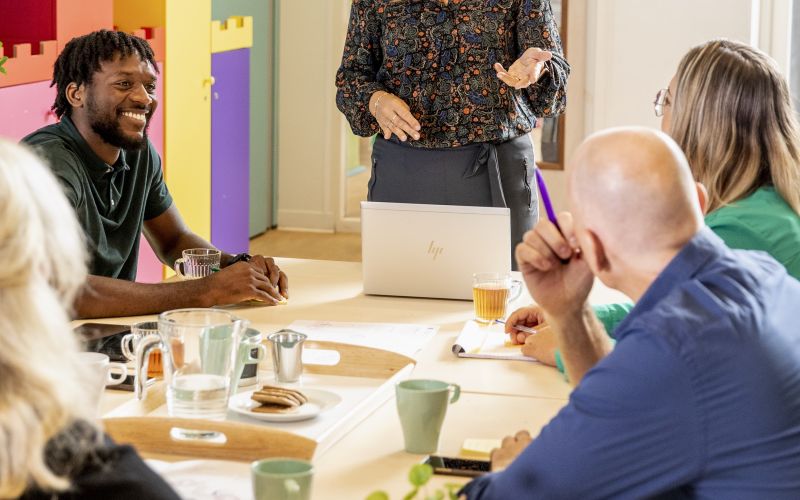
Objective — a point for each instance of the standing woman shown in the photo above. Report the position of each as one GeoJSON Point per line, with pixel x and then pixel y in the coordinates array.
{"type": "Point", "coordinates": [429, 77]}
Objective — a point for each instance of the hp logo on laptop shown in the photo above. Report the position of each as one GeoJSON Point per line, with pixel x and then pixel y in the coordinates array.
{"type": "Point", "coordinates": [434, 250]}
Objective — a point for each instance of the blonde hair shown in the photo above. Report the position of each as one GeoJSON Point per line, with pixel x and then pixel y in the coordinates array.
{"type": "Point", "coordinates": [732, 116]}
{"type": "Point", "coordinates": [42, 266]}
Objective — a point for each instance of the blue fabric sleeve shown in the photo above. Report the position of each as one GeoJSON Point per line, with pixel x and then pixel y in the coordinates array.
{"type": "Point", "coordinates": [630, 430]}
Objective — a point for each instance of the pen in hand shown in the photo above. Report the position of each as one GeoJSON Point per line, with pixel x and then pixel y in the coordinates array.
{"type": "Point", "coordinates": [521, 328]}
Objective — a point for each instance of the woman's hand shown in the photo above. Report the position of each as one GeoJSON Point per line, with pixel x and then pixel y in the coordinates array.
{"type": "Point", "coordinates": [526, 70]}
{"type": "Point", "coordinates": [393, 116]}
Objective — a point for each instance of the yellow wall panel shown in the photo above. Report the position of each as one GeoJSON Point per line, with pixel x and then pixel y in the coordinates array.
{"type": "Point", "coordinates": [188, 113]}
{"type": "Point", "coordinates": [235, 33]}
{"type": "Point", "coordinates": [186, 100]}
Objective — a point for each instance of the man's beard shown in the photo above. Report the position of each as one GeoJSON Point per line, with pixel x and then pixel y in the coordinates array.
{"type": "Point", "coordinates": [107, 127]}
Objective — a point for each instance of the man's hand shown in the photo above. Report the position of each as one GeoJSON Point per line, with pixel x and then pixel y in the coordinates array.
{"type": "Point", "coordinates": [526, 70]}
{"type": "Point", "coordinates": [558, 279]}
{"type": "Point", "coordinates": [269, 268]}
{"type": "Point", "coordinates": [512, 446]}
{"type": "Point", "coordinates": [530, 316]}
{"type": "Point", "coordinates": [394, 116]}
{"type": "Point", "coordinates": [541, 346]}
{"type": "Point", "coordinates": [238, 283]}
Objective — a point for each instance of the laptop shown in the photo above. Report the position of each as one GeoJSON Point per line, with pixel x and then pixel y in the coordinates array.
{"type": "Point", "coordinates": [431, 251]}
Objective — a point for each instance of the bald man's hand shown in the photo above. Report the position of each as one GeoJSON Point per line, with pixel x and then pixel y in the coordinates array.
{"type": "Point", "coordinates": [557, 277]}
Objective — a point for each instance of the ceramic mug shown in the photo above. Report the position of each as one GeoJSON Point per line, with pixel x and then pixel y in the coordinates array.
{"type": "Point", "coordinates": [422, 405]}
{"type": "Point", "coordinates": [281, 479]}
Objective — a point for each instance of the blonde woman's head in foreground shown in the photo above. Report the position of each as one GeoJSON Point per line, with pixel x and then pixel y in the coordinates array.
{"type": "Point", "coordinates": [42, 266]}
{"type": "Point", "coordinates": [730, 111]}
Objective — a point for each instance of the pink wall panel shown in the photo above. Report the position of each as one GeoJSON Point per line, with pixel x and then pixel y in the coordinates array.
{"type": "Point", "coordinates": [150, 269]}
{"type": "Point", "coordinates": [25, 108]}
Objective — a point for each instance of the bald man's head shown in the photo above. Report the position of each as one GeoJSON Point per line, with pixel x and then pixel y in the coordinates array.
{"type": "Point", "coordinates": [632, 188]}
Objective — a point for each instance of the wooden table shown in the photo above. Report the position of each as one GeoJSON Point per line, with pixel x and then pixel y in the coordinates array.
{"type": "Point", "coordinates": [498, 397]}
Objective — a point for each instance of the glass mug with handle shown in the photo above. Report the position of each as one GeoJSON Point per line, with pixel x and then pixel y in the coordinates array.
{"type": "Point", "coordinates": [198, 263]}
{"type": "Point", "coordinates": [131, 340]}
{"type": "Point", "coordinates": [491, 294]}
{"type": "Point", "coordinates": [200, 349]}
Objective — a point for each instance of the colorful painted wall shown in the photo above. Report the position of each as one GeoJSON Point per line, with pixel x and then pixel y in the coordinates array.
{"type": "Point", "coordinates": [202, 132]}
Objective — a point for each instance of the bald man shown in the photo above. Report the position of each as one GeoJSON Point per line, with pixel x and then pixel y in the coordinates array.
{"type": "Point", "coordinates": [701, 395]}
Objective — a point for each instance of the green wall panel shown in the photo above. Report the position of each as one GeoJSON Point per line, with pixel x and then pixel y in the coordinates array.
{"type": "Point", "coordinates": [261, 112]}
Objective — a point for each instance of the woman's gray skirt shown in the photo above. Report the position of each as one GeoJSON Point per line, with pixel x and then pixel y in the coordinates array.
{"type": "Point", "coordinates": [481, 174]}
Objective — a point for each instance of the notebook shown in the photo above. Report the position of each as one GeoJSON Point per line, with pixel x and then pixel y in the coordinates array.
{"type": "Point", "coordinates": [487, 342]}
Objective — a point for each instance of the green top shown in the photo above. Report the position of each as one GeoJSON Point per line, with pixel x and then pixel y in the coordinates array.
{"type": "Point", "coordinates": [762, 221]}
{"type": "Point", "coordinates": [111, 201]}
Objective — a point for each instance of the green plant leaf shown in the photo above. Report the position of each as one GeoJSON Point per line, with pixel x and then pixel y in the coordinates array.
{"type": "Point", "coordinates": [452, 490]}
{"type": "Point", "coordinates": [437, 495]}
{"type": "Point", "coordinates": [378, 495]}
{"type": "Point", "coordinates": [411, 494]}
{"type": "Point", "coordinates": [420, 474]}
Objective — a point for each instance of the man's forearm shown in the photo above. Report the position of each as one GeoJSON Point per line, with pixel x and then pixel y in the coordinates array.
{"type": "Point", "coordinates": [582, 340]}
{"type": "Point", "coordinates": [107, 297]}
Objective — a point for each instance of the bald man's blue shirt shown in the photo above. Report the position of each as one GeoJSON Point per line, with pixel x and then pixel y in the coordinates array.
{"type": "Point", "coordinates": [699, 399]}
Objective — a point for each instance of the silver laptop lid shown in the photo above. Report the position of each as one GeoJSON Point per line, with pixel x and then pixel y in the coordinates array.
{"type": "Point", "coordinates": [431, 250]}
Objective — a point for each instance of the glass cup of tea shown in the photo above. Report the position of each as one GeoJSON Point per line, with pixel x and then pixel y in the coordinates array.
{"type": "Point", "coordinates": [197, 263]}
{"type": "Point", "coordinates": [131, 341]}
{"type": "Point", "coordinates": [491, 294]}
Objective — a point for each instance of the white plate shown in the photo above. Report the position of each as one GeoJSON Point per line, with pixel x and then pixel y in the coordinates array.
{"type": "Point", "coordinates": [318, 401]}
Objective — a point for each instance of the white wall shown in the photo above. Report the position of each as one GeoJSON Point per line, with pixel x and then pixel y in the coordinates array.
{"type": "Point", "coordinates": [309, 154]}
{"type": "Point", "coordinates": [630, 49]}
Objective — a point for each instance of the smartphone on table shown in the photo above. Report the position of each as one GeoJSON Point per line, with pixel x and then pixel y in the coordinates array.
{"type": "Point", "coordinates": [104, 338]}
{"type": "Point", "coordinates": [453, 466]}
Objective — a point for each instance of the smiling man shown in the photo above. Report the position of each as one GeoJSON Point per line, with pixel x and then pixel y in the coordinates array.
{"type": "Point", "coordinates": [111, 173]}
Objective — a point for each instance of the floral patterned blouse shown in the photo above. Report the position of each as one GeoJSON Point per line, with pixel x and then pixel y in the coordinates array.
{"type": "Point", "coordinates": [438, 58]}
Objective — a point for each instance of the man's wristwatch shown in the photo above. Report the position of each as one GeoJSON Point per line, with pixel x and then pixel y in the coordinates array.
{"type": "Point", "coordinates": [240, 257]}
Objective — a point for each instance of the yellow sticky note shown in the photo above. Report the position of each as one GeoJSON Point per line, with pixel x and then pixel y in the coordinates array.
{"type": "Point", "coordinates": [479, 448]}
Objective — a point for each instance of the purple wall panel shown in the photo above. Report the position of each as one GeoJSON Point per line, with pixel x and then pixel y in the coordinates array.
{"type": "Point", "coordinates": [230, 150]}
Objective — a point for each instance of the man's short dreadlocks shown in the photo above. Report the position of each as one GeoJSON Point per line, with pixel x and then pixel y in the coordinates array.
{"type": "Point", "coordinates": [82, 56]}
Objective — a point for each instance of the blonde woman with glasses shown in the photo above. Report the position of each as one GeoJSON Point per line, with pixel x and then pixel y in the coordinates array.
{"type": "Point", "coordinates": [730, 110]}
{"type": "Point", "coordinates": [50, 444]}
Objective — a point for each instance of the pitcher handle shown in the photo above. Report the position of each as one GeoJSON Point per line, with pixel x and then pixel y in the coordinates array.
{"type": "Point", "coordinates": [143, 348]}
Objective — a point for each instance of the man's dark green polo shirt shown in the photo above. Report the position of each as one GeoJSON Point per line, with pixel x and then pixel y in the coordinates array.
{"type": "Point", "coordinates": [111, 201]}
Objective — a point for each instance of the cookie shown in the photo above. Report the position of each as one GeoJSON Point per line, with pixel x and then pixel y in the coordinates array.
{"type": "Point", "coordinates": [271, 389]}
{"type": "Point", "coordinates": [273, 408]}
{"type": "Point", "coordinates": [275, 398]}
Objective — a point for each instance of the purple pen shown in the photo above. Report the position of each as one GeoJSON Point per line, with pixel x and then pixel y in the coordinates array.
{"type": "Point", "coordinates": [551, 215]}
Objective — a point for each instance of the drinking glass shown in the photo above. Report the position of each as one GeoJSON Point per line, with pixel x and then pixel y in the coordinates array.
{"type": "Point", "coordinates": [199, 349]}
{"type": "Point", "coordinates": [131, 340]}
{"type": "Point", "coordinates": [491, 293]}
{"type": "Point", "coordinates": [198, 263]}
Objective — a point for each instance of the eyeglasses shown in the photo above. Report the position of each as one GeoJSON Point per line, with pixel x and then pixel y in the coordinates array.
{"type": "Point", "coordinates": [661, 102]}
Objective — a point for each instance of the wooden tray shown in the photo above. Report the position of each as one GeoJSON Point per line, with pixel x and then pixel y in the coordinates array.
{"type": "Point", "coordinates": [363, 376]}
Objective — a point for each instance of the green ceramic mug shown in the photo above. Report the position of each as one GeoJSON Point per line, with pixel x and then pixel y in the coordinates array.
{"type": "Point", "coordinates": [422, 405]}
{"type": "Point", "coordinates": [281, 479]}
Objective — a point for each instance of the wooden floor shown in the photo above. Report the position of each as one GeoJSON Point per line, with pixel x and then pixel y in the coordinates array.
{"type": "Point", "coordinates": [306, 245]}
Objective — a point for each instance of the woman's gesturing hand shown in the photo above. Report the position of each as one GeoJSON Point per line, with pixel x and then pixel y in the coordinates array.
{"type": "Point", "coordinates": [526, 70]}
{"type": "Point", "coordinates": [393, 116]}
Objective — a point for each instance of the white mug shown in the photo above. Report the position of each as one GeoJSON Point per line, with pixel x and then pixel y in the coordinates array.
{"type": "Point", "coordinates": [100, 372]}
